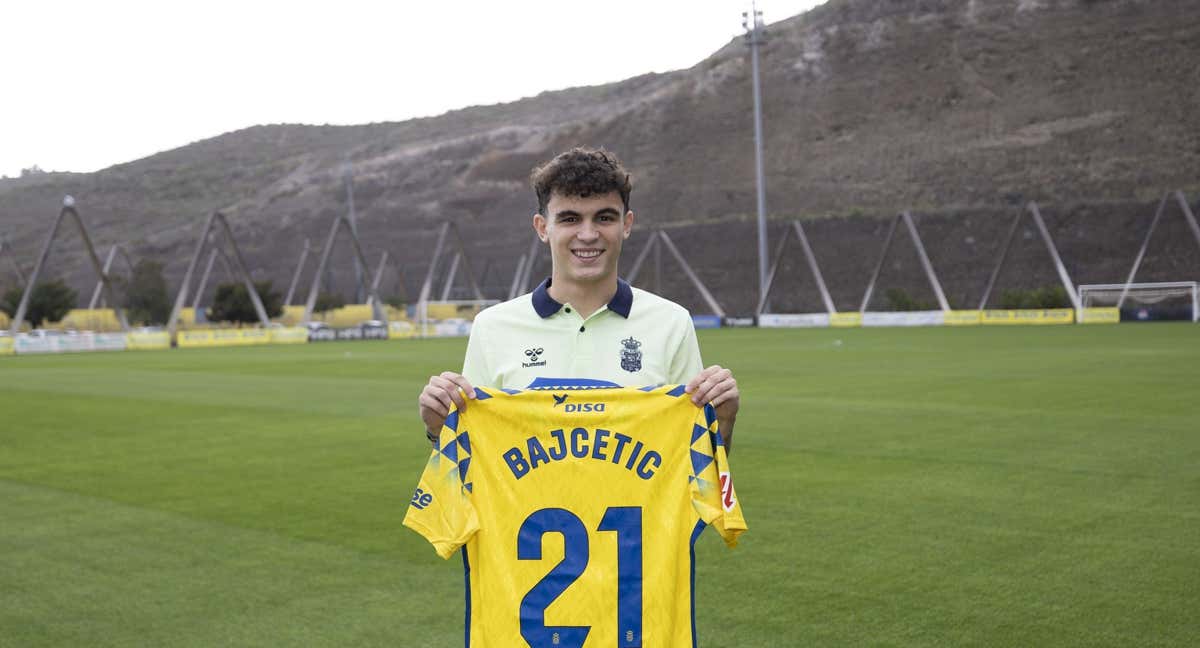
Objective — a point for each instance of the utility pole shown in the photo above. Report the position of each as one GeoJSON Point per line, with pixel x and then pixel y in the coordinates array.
{"type": "Point", "coordinates": [756, 36]}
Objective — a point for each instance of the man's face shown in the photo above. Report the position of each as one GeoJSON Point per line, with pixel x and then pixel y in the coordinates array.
{"type": "Point", "coordinates": [585, 235]}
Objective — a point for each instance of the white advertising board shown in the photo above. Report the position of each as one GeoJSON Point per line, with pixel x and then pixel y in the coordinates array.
{"type": "Point", "coordinates": [793, 320]}
{"type": "Point", "coordinates": [907, 318]}
{"type": "Point", "coordinates": [58, 343]}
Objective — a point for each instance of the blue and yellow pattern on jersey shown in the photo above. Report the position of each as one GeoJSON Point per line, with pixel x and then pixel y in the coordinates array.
{"type": "Point", "coordinates": [577, 505]}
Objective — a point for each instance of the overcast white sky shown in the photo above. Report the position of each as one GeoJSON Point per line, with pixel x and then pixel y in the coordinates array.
{"type": "Point", "coordinates": [86, 85]}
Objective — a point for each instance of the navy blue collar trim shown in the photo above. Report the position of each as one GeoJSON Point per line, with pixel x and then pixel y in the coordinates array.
{"type": "Point", "coordinates": [544, 304]}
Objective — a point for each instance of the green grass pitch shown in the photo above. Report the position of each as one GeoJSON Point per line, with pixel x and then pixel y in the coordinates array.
{"type": "Point", "coordinates": [918, 487]}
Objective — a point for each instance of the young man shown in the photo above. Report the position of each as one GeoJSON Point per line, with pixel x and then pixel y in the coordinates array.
{"type": "Point", "coordinates": [582, 322]}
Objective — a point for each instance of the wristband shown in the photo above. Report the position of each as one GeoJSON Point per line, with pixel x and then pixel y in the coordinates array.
{"type": "Point", "coordinates": [432, 436]}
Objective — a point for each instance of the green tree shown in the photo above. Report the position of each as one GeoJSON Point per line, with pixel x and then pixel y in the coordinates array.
{"type": "Point", "coordinates": [1047, 297]}
{"type": "Point", "coordinates": [49, 302]}
{"type": "Point", "coordinates": [328, 301]}
{"type": "Point", "coordinates": [146, 294]}
{"type": "Point", "coordinates": [898, 300]}
{"type": "Point", "coordinates": [10, 299]}
{"type": "Point", "coordinates": [232, 303]}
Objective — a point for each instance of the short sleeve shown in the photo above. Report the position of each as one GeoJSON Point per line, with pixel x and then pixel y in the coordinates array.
{"type": "Point", "coordinates": [713, 495]}
{"type": "Point", "coordinates": [685, 363]}
{"type": "Point", "coordinates": [475, 364]}
{"type": "Point", "coordinates": [441, 508]}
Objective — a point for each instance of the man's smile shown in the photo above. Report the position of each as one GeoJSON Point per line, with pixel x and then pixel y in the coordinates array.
{"type": "Point", "coordinates": [587, 253]}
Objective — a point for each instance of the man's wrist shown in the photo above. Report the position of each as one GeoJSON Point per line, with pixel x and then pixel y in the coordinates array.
{"type": "Point", "coordinates": [432, 436]}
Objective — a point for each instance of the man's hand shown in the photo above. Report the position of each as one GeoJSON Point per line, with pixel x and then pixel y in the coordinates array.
{"type": "Point", "coordinates": [443, 390]}
{"type": "Point", "coordinates": [716, 385]}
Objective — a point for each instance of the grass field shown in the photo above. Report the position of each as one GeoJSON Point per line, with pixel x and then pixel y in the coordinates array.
{"type": "Point", "coordinates": [923, 487]}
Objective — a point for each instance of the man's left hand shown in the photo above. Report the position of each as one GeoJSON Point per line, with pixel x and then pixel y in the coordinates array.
{"type": "Point", "coordinates": [716, 385]}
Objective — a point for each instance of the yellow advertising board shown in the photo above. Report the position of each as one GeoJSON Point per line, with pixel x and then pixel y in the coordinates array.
{"type": "Point", "coordinates": [1030, 316]}
{"type": "Point", "coordinates": [1100, 316]}
{"type": "Point", "coordinates": [292, 315]}
{"type": "Point", "coordinates": [401, 330]}
{"type": "Point", "coordinates": [254, 336]}
{"type": "Point", "coordinates": [241, 337]}
{"type": "Point", "coordinates": [289, 335]}
{"type": "Point", "coordinates": [845, 320]}
{"type": "Point", "coordinates": [6, 346]}
{"type": "Point", "coordinates": [93, 319]}
{"type": "Point", "coordinates": [195, 339]}
{"type": "Point", "coordinates": [148, 341]}
{"type": "Point", "coordinates": [348, 315]}
{"type": "Point", "coordinates": [187, 316]}
{"type": "Point", "coordinates": [963, 318]}
{"type": "Point", "coordinates": [226, 337]}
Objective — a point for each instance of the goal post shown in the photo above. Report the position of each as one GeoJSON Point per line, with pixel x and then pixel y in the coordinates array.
{"type": "Point", "coordinates": [1162, 300]}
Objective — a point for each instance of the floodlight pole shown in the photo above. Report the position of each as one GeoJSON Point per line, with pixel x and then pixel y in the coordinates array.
{"type": "Point", "coordinates": [756, 35]}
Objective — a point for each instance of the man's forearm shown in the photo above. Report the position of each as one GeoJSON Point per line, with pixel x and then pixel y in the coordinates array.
{"type": "Point", "coordinates": [725, 426]}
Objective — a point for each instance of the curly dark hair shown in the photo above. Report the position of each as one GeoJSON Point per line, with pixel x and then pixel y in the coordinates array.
{"type": "Point", "coordinates": [581, 172]}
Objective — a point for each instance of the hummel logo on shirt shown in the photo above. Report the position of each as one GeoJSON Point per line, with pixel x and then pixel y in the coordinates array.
{"type": "Point", "coordinates": [533, 355]}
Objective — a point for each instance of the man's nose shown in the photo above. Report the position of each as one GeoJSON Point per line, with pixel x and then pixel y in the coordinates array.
{"type": "Point", "coordinates": [588, 231]}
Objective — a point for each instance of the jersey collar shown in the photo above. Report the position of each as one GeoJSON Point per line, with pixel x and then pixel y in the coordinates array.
{"type": "Point", "coordinates": [545, 305]}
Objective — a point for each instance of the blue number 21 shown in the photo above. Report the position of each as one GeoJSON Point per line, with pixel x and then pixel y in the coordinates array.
{"type": "Point", "coordinates": [626, 521]}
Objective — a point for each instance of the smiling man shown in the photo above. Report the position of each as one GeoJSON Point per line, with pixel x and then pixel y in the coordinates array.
{"type": "Point", "coordinates": [583, 321]}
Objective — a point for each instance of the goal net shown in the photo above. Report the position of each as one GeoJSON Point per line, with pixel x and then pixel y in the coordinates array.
{"type": "Point", "coordinates": [1140, 302]}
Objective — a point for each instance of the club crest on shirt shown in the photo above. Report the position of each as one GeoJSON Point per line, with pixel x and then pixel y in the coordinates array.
{"type": "Point", "coordinates": [631, 354]}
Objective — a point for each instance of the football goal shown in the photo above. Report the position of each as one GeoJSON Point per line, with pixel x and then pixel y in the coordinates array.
{"type": "Point", "coordinates": [1166, 300]}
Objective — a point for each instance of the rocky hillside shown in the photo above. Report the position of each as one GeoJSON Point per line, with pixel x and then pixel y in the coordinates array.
{"type": "Point", "coordinates": [961, 110]}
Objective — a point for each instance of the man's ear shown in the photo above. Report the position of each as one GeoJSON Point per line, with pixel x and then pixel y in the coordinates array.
{"type": "Point", "coordinates": [539, 226]}
{"type": "Point", "coordinates": [628, 226]}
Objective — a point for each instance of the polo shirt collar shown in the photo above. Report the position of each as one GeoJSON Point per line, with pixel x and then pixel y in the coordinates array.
{"type": "Point", "coordinates": [545, 305]}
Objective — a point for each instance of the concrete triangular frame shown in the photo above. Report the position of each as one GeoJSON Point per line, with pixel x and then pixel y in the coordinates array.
{"type": "Point", "coordinates": [68, 209]}
{"type": "Point", "coordinates": [906, 218]}
{"type": "Point", "coordinates": [181, 297]}
{"type": "Point", "coordinates": [1036, 214]}
{"type": "Point", "coordinates": [812, 266]}
{"type": "Point", "coordinates": [372, 297]}
{"type": "Point", "coordinates": [660, 237]}
{"type": "Point", "coordinates": [1188, 216]}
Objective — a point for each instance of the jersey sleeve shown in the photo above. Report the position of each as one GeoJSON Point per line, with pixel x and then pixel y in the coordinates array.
{"type": "Point", "coordinates": [685, 361]}
{"type": "Point", "coordinates": [713, 495]}
{"type": "Point", "coordinates": [441, 508]}
{"type": "Point", "coordinates": [475, 361]}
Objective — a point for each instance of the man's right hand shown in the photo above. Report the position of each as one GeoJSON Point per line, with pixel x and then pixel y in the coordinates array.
{"type": "Point", "coordinates": [443, 390]}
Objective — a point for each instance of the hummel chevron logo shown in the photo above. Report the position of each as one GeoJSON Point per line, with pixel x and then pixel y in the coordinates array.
{"type": "Point", "coordinates": [533, 355]}
{"type": "Point", "coordinates": [559, 400]}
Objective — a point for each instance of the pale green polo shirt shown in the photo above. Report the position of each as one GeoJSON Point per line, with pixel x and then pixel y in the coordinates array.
{"type": "Point", "coordinates": [638, 339]}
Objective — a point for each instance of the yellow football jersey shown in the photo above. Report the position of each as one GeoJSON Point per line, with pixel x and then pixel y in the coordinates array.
{"type": "Point", "coordinates": [577, 505]}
